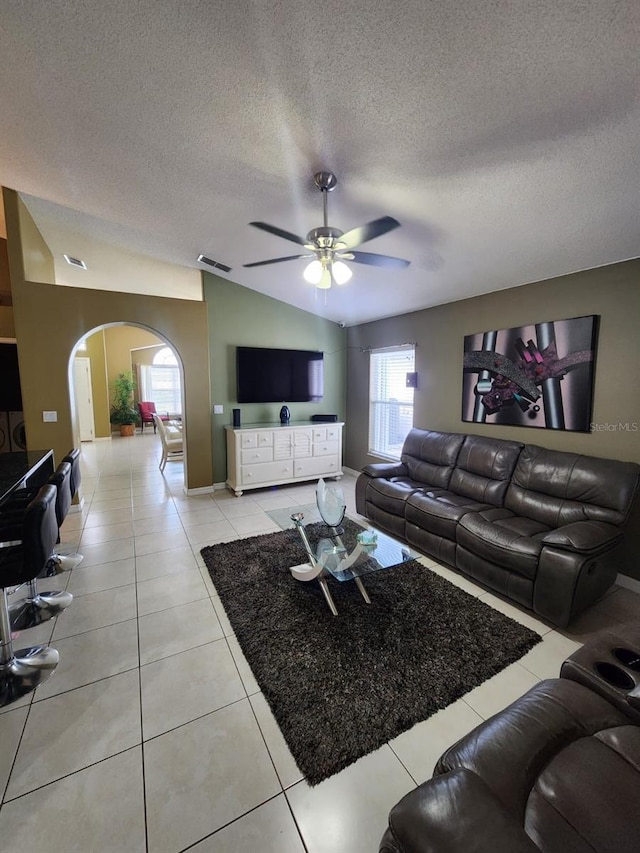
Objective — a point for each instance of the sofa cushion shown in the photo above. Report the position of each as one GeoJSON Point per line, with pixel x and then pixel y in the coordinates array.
{"type": "Point", "coordinates": [558, 808]}
{"type": "Point", "coordinates": [511, 750]}
{"type": "Point", "coordinates": [559, 488]}
{"type": "Point", "coordinates": [511, 541]}
{"type": "Point", "coordinates": [430, 456]}
{"type": "Point", "coordinates": [439, 511]}
{"type": "Point", "coordinates": [484, 468]}
{"type": "Point", "coordinates": [391, 495]}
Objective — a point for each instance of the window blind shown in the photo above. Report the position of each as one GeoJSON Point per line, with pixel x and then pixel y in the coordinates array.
{"type": "Point", "coordinates": [390, 401]}
{"type": "Point", "coordinates": [161, 385]}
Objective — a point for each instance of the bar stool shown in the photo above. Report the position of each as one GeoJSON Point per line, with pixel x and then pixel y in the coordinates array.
{"type": "Point", "coordinates": [73, 458]}
{"type": "Point", "coordinates": [23, 670]}
{"type": "Point", "coordinates": [39, 607]}
{"type": "Point", "coordinates": [62, 480]}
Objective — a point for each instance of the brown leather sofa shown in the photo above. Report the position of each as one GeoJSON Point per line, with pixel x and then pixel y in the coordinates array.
{"type": "Point", "coordinates": [542, 527]}
{"type": "Point", "coordinates": [558, 771]}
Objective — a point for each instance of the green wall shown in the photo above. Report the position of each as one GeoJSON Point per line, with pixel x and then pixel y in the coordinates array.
{"type": "Point", "coordinates": [239, 316]}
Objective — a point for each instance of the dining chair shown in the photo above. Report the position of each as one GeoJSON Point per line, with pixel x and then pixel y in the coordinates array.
{"type": "Point", "coordinates": [171, 438]}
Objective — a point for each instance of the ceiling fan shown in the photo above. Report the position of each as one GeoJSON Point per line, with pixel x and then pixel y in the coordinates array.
{"type": "Point", "coordinates": [329, 247]}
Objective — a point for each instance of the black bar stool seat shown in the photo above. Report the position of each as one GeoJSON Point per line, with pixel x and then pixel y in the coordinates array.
{"type": "Point", "coordinates": [38, 606]}
{"type": "Point", "coordinates": [23, 670]}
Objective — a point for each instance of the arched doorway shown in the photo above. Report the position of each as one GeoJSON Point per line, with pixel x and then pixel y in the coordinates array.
{"type": "Point", "coordinates": [114, 348]}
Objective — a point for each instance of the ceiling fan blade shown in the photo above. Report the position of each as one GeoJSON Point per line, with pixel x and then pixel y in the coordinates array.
{"type": "Point", "coordinates": [376, 228]}
{"type": "Point", "coordinates": [380, 261]}
{"type": "Point", "coordinates": [276, 260]}
{"type": "Point", "coordinates": [279, 232]}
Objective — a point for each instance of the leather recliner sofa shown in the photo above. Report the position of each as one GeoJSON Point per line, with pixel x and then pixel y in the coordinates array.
{"type": "Point", "coordinates": [557, 771]}
{"type": "Point", "coordinates": [542, 527]}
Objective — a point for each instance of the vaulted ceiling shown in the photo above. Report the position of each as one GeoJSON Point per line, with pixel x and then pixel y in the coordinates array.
{"type": "Point", "coordinates": [503, 136]}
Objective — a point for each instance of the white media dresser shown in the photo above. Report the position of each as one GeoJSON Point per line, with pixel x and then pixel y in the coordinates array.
{"type": "Point", "coordinates": [261, 455]}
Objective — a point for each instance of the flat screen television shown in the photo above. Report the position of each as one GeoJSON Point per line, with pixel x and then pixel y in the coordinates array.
{"type": "Point", "coordinates": [279, 375]}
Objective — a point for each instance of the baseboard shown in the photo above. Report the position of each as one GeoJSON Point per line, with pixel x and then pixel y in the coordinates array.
{"type": "Point", "coordinates": [202, 490]}
{"type": "Point", "coordinates": [350, 471]}
{"type": "Point", "coordinates": [219, 487]}
{"type": "Point", "coordinates": [628, 583]}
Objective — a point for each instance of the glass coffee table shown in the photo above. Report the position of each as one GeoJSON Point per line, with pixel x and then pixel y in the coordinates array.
{"type": "Point", "coordinates": [331, 557]}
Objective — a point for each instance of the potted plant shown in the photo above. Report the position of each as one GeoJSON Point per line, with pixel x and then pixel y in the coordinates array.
{"type": "Point", "coordinates": [123, 413]}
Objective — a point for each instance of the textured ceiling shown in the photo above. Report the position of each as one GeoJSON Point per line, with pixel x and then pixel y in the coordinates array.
{"type": "Point", "coordinates": [503, 135]}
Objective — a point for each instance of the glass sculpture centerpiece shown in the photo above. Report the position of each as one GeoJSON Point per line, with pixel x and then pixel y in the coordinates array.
{"type": "Point", "coordinates": [331, 506]}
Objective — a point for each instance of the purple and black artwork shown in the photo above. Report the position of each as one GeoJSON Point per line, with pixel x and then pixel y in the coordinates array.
{"type": "Point", "coordinates": [538, 376]}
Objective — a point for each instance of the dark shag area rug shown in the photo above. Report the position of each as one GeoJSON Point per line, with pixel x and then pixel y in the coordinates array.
{"type": "Point", "coordinates": [340, 687]}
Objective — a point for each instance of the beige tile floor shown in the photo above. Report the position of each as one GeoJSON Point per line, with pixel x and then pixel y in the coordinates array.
{"type": "Point", "coordinates": [152, 735]}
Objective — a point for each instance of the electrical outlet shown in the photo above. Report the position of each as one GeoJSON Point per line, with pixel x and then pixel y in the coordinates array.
{"type": "Point", "coordinates": [218, 410]}
{"type": "Point", "coordinates": [50, 417]}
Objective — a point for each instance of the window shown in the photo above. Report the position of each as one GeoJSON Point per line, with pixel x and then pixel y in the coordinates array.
{"type": "Point", "coordinates": [390, 401]}
{"type": "Point", "coordinates": [165, 357]}
{"type": "Point", "coordinates": [160, 382]}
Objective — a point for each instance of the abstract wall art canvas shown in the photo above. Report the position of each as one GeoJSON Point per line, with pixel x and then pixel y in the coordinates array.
{"type": "Point", "coordinates": [537, 376]}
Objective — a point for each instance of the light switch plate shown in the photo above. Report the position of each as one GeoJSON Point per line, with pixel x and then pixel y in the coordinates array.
{"type": "Point", "coordinates": [50, 417]}
{"type": "Point", "coordinates": [218, 410]}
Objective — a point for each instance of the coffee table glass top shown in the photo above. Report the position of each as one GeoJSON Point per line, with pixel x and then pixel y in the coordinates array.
{"type": "Point", "coordinates": [363, 559]}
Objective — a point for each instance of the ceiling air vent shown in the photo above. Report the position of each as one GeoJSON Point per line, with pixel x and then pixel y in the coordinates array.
{"type": "Point", "coordinates": [203, 259]}
{"type": "Point", "coordinates": [75, 262]}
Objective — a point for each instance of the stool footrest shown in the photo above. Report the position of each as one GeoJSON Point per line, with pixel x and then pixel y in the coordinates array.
{"type": "Point", "coordinates": [26, 670]}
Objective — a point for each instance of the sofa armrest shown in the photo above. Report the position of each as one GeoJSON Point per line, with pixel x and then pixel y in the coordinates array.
{"type": "Point", "coordinates": [633, 697]}
{"type": "Point", "coordinates": [386, 469]}
{"type": "Point", "coordinates": [585, 537]}
{"type": "Point", "coordinates": [454, 813]}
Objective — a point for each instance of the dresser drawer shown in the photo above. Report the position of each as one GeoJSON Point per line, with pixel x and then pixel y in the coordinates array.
{"type": "Point", "coordinates": [256, 454]}
{"type": "Point", "coordinates": [325, 448]}
{"type": "Point", "coordinates": [316, 466]}
{"type": "Point", "coordinates": [319, 433]}
{"type": "Point", "coordinates": [266, 472]}
{"type": "Point", "coordinates": [248, 439]}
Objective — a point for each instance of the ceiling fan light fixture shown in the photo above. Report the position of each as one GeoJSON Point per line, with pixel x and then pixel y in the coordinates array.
{"type": "Point", "coordinates": [325, 280]}
{"type": "Point", "coordinates": [313, 272]}
{"type": "Point", "coordinates": [330, 246]}
{"type": "Point", "coordinates": [341, 272]}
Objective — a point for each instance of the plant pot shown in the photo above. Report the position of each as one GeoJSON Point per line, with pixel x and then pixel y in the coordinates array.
{"type": "Point", "coordinates": [127, 429]}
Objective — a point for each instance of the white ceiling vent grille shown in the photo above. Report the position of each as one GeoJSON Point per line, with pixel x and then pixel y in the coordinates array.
{"type": "Point", "coordinates": [75, 262]}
